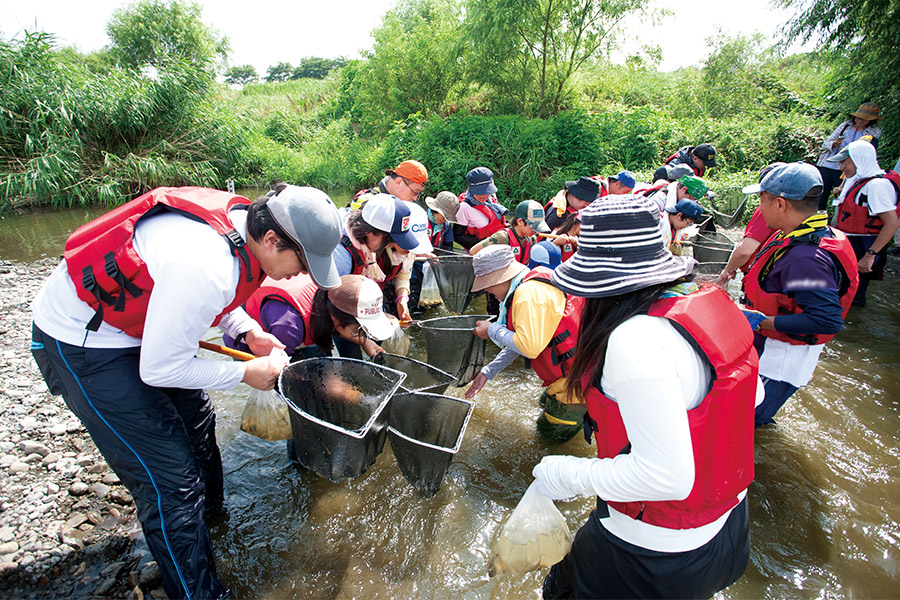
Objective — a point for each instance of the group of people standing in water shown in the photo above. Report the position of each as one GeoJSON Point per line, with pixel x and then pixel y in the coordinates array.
{"type": "Point", "coordinates": [665, 372]}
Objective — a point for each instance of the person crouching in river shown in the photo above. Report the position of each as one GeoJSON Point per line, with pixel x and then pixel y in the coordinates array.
{"type": "Point", "coordinates": [520, 235]}
{"type": "Point", "coordinates": [304, 317]}
{"type": "Point", "coordinates": [123, 351]}
{"type": "Point", "coordinates": [669, 375]}
{"type": "Point", "coordinates": [538, 321]}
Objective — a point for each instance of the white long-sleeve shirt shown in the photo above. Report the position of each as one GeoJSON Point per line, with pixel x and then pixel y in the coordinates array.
{"type": "Point", "coordinates": [195, 277]}
{"type": "Point", "coordinates": [655, 376]}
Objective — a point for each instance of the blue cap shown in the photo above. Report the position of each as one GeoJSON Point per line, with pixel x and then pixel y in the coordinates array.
{"type": "Point", "coordinates": [545, 254]}
{"type": "Point", "coordinates": [689, 208]}
{"type": "Point", "coordinates": [391, 215]}
{"type": "Point", "coordinates": [626, 178]}
{"type": "Point", "coordinates": [794, 181]}
{"type": "Point", "coordinates": [481, 181]}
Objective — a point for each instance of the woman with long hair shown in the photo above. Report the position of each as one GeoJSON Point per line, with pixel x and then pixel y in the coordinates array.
{"type": "Point", "coordinates": [667, 370]}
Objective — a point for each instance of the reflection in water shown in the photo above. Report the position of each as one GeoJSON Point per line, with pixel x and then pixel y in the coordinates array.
{"type": "Point", "coordinates": [825, 505]}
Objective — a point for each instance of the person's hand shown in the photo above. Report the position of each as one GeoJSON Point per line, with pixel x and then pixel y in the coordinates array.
{"type": "Point", "coordinates": [866, 263]}
{"type": "Point", "coordinates": [262, 373]}
{"type": "Point", "coordinates": [476, 386]}
{"type": "Point", "coordinates": [262, 343]}
{"type": "Point", "coordinates": [403, 310]}
{"type": "Point", "coordinates": [552, 473]}
{"type": "Point", "coordinates": [481, 329]}
{"type": "Point", "coordinates": [767, 323]}
{"type": "Point", "coordinates": [564, 239]}
{"type": "Point", "coordinates": [724, 277]}
{"type": "Point", "coordinates": [371, 348]}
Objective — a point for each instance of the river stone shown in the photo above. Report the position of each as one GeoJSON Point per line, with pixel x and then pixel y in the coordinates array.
{"type": "Point", "coordinates": [74, 426]}
{"type": "Point", "coordinates": [101, 490]}
{"type": "Point", "coordinates": [76, 520]}
{"type": "Point", "coordinates": [149, 575]}
{"type": "Point", "coordinates": [72, 537]}
{"type": "Point", "coordinates": [30, 447]}
{"type": "Point", "coordinates": [51, 458]}
{"type": "Point", "coordinates": [110, 479]}
{"type": "Point", "coordinates": [8, 568]}
{"type": "Point", "coordinates": [94, 517]}
{"type": "Point", "coordinates": [18, 467]}
{"type": "Point", "coordinates": [35, 457]}
{"type": "Point", "coordinates": [120, 496]}
{"type": "Point", "coordinates": [78, 488]}
{"type": "Point", "coordinates": [58, 429]}
{"type": "Point", "coordinates": [7, 533]}
{"type": "Point", "coordinates": [14, 394]}
{"type": "Point", "coordinates": [52, 488]}
{"type": "Point", "coordinates": [9, 547]}
{"type": "Point", "coordinates": [7, 459]}
{"type": "Point", "coordinates": [106, 587]}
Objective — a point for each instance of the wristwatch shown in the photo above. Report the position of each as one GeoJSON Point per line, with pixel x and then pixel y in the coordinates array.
{"type": "Point", "coordinates": [871, 252]}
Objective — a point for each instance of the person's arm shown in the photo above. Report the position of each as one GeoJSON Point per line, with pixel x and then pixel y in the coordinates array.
{"type": "Point", "coordinates": [464, 239]}
{"type": "Point", "coordinates": [498, 237]}
{"type": "Point", "coordinates": [891, 224]}
{"type": "Point", "coordinates": [739, 257]}
{"type": "Point", "coordinates": [503, 359]}
{"type": "Point", "coordinates": [832, 142]}
{"type": "Point", "coordinates": [821, 313]}
{"type": "Point", "coordinates": [644, 381]}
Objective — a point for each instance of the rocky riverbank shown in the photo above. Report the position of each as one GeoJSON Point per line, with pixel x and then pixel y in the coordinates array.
{"type": "Point", "coordinates": [67, 526]}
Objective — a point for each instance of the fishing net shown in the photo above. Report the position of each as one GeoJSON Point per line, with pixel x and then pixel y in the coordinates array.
{"type": "Point", "coordinates": [452, 346]}
{"type": "Point", "coordinates": [455, 275]}
{"type": "Point", "coordinates": [535, 535]}
{"type": "Point", "coordinates": [337, 408]}
{"type": "Point", "coordinates": [420, 377]}
{"type": "Point", "coordinates": [426, 430]}
{"type": "Point", "coordinates": [728, 206]}
{"type": "Point", "coordinates": [712, 247]}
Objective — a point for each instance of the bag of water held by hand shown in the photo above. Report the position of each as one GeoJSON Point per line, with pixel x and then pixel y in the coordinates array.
{"type": "Point", "coordinates": [266, 416]}
{"type": "Point", "coordinates": [535, 535]}
{"type": "Point", "coordinates": [398, 343]}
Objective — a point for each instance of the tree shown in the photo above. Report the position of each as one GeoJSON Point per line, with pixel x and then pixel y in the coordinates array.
{"type": "Point", "coordinates": [280, 72]}
{"type": "Point", "coordinates": [863, 39]}
{"type": "Point", "coordinates": [241, 75]}
{"type": "Point", "coordinates": [317, 68]}
{"type": "Point", "coordinates": [528, 50]}
{"type": "Point", "coordinates": [152, 32]}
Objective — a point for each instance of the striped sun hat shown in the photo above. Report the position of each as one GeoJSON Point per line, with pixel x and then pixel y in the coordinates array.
{"type": "Point", "coordinates": [620, 250]}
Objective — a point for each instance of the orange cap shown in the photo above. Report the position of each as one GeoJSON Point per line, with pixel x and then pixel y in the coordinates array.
{"type": "Point", "coordinates": [412, 170]}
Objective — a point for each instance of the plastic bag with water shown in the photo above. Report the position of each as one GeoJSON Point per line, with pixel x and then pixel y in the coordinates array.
{"type": "Point", "coordinates": [430, 293]}
{"type": "Point", "coordinates": [398, 343]}
{"type": "Point", "coordinates": [535, 535]}
{"type": "Point", "coordinates": [266, 416]}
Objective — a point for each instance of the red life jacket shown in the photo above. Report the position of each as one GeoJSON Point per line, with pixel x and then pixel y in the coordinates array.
{"type": "Point", "coordinates": [774, 304]}
{"type": "Point", "coordinates": [494, 225]}
{"type": "Point", "coordinates": [358, 262]}
{"type": "Point", "coordinates": [521, 249]}
{"type": "Point", "coordinates": [652, 190]}
{"type": "Point", "coordinates": [106, 269]}
{"type": "Point", "coordinates": [853, 214]}
{"type": "Point", "coordinates": [721, 425]}
{"type": "Point", "coordinates": [566, 251]}
{"type": "Point", "coordinates": [555, 360]}
{"type": "Point", "coordinates": [436, 236]}
{"type": "Point", "coordinates": [698, 172]}
{"type": "Point", "coordinates": [297, 292]}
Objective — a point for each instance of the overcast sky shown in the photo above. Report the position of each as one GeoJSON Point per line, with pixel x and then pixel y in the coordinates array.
{"type": "Point", "coordinates": [265, 32]}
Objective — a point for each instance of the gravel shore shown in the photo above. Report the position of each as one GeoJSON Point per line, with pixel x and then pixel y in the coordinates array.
{"type": "Point", "coordinates": [67, 526]}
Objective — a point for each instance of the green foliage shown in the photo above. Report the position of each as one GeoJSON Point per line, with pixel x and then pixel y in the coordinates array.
{"type": "Point", "coordinates": [414, 66]}
{"type": "Point", "coordinates": [316, 67]}
{"type": "Point", "coordinates": [241, 75]}
{"type": "Point", "coordinates": [280, 72]}
{"type": "Point", "coordinates": [863, 41]}
{"type": "Point", "coordinates": [528, 50]}
{"type": "Point", "coordinates": [155, 32]}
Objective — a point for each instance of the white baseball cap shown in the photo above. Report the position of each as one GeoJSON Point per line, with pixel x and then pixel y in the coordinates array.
{"type": "Point", "coordinates": [418, 220]}
{"type": "Point", "coordinates": [361, 297]}
{"type": "Point", "coordinates": [392, 215]}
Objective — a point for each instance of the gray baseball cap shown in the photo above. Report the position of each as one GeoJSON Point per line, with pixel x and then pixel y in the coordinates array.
{"type": "Point", "coordinates": [310, 218]}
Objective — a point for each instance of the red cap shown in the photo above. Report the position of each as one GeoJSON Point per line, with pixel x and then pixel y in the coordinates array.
{"type": "Point", "coordinates": [412, 170]}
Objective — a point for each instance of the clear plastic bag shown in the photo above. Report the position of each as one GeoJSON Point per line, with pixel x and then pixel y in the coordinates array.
{"type": "Point", "coordinates": [398, 343]}
{"type": "Point", "coordinates": [430, 293]}
{"type": "Point", "coordinates": [266, 416]}
{"type": "Point", "coordinates": [535, 535]}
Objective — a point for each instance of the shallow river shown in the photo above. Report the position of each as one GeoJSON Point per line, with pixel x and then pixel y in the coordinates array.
{"type": "Point", "coordinates": [824, 507]}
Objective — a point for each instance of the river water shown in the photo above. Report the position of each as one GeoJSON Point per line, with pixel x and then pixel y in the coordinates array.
{"type": "Point", "coordinates": [824, 507]}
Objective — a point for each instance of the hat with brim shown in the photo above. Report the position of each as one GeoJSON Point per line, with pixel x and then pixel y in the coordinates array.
{"type": "Point", "coordinates": [792, 180]}
{"type": "Point", "coordinates": [311, 220]}
{"type": "Point", "coordinates": [446, 203]}
{"type": "Point", "coordinates": [868, 111]}
{"type": "Point", "coordinates": [480, 181]}
{"type": "Point", "coordinates": [390, 214]}
{"type": "Point", "coordinates": [620, 250]}
{"type": "Point", "coordinates": [586, 189]}
{"type": "Point", "coordinates": [841, 155]}
{"type": "Point", "coordinates": [361, 298]}
{"type": "Point", "coordinates": [494, 265]}
{"type": "Point", "coordinates": [532, 213]}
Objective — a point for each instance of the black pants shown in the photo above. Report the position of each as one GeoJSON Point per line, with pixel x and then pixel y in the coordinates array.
{"type": "Point", "coordinates": [600, 565]}
{"type": "Point", "coordinates": [861, 243]}
{"type": "Point", "coordinates": [161, 442]}
{"type": "Point", "coordinates": [830, 178]}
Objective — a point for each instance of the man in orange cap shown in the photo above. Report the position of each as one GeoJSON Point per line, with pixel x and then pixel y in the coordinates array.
{"type": "Point", "coordinates": [405, 181]}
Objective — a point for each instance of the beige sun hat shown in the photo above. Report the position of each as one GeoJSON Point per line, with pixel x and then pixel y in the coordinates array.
{"type": "Point", "coordinates": [493, 265]}
{"type": "Point", "coordinates": [446, 203]}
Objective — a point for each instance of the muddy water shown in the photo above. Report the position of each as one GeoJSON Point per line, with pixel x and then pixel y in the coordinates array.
{"type": "Point", "coordinates": [825, 505]}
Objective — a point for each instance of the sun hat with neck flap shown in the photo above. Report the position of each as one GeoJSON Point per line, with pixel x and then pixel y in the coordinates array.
{"type": "Point", "coordinates": [620, 250]}
{"type": "Point", "coordinates": [494, 265]}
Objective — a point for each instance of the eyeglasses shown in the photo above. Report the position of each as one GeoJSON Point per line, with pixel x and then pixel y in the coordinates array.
{"type": "Point", "coordinates": [411, 188]}
{"type": "Point", "coordinates": [360, 332]}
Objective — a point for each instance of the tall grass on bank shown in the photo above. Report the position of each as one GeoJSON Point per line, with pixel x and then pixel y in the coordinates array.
{"type": "Point", "coordinates": [69, 136]}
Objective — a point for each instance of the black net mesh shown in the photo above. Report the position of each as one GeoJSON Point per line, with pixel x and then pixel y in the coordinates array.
{"type": "Point", "coordinates": [455, 275]}
{"type": "Point", "coordinates": [338, 412]}
{"type": "Point", "coordinates": [420, 377]}
{"type": "Point", "coordinates": [451, 345]}
{"type": "Point", "coordinates": [426, 430]}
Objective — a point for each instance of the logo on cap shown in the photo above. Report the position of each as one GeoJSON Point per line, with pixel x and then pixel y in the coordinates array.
{"type": "Point", "coordinates": [404, 224]}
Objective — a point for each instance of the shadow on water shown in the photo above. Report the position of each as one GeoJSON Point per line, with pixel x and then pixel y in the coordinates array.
{"type": "Point", "coordinates": [825, 506]}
